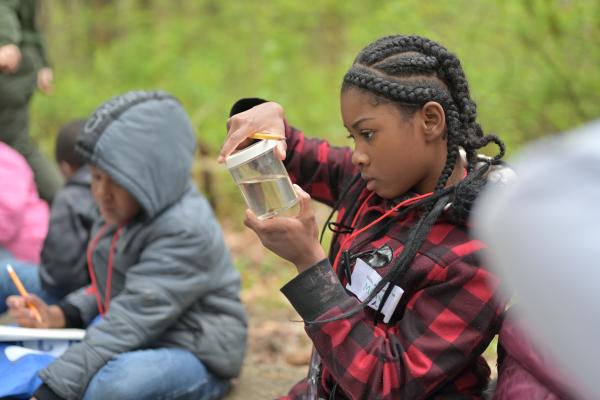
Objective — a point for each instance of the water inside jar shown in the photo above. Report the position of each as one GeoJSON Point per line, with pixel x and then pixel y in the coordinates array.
{"type": "Point", "coordinates": [269, 195]}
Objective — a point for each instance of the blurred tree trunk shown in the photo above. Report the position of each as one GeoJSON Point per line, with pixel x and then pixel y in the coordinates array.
{"type": "Point", "coordinates": [548, 15]}
{"type": "Point", "coordinates": [102, 28]}
{"type": "Point", "coordinates": [207, 174]}
{"type": "Point", "coordinates": [329, 35]}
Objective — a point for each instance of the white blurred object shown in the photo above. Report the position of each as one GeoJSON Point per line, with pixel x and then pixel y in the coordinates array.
{"type": "Point", "coordinates": [543, 232]}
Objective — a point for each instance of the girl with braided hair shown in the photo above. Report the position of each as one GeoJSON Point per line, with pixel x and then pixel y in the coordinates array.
{"type": "Point", "coordinates": [402, 307]}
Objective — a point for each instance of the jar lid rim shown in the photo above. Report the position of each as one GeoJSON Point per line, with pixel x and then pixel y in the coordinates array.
{"type": "Point", "coordinates": [249, 153]}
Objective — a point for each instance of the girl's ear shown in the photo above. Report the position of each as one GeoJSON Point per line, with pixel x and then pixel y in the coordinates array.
{"type": "Point", "coordinates": [434, 121]}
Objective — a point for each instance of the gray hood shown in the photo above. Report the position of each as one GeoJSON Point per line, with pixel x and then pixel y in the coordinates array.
{"type": "Point", "coordinates": [131, 135]}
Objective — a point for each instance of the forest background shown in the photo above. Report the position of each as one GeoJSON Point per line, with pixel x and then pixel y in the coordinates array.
{"type": "Point", "coordinates": [533, 65]}
{"type": "Point", "coordinates": [533, 68]}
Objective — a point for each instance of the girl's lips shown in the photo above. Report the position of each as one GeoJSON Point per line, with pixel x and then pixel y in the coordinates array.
{"type": "Point", "coordinates": [370, 182]}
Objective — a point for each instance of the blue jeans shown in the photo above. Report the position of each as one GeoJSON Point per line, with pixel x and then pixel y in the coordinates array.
{"type": "Point", "coordinates": [29, 275]}
{"type": "Point", "coordinates": [155, 374]}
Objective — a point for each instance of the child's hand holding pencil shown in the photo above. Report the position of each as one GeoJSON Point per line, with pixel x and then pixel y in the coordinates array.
{"type": "Point", "coordinates": [29, 310]}
{"type": "Point", "coordinates": [23, 292]}
{"type": "Point", "coordinates": [21, 309]}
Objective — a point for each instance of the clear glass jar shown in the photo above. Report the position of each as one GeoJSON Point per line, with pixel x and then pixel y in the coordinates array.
{"type": "Point", "coordinates": [263, 180]}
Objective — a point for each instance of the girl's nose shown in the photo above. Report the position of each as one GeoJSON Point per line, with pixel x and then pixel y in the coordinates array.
{"type": "Point", "coordinates": [359, 158]}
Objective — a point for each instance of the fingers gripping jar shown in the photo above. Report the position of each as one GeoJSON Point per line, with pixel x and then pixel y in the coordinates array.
{"type": "Point", "coordinates": [263, 180]}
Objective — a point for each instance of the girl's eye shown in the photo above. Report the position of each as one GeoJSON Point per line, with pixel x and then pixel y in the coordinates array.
{"type": "Point", "coordinates": [368, 135]}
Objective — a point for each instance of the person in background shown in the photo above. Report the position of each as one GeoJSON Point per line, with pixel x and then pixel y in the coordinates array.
{"type": "Point", "coordinates": [24, 67]}
{"type": "Point", "coordinates": [542, 231]}
{"type": "Point", "coordinates": [23, 215]}
{"type": "Point", "coordinates": [171, 321]}
{"type": "Point", "coordinates": [64, 267]}
{"type": "Point", "coordinates": [23, 224]}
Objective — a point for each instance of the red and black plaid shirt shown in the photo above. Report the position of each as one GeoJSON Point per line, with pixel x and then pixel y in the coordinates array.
{"type": "Point", "coordinates": [450, 311]}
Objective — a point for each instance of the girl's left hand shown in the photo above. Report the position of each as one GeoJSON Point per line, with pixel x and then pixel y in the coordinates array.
{"type": "Point", "coordinates": [294, 239]}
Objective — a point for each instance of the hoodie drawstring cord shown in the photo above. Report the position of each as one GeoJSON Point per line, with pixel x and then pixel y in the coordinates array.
{"type": "Point", "coordinates": [102, 308]}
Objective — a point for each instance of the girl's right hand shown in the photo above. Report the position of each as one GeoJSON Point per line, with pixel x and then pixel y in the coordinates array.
{"type": "Point", "coordinates": [266, 117]}
{"type": "Point", "coordinates": [51, 316]}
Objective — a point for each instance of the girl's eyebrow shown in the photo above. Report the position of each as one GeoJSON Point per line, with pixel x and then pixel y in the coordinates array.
{"type": "Point", "coordinates": [359, 121]}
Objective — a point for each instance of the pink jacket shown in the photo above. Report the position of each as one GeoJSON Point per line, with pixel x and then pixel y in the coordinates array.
{"type": "Point", "coordinates": [23, 215]}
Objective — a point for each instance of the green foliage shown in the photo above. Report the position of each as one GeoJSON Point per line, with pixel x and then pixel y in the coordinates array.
{"type": "Point", "coordinates": [533, 65]}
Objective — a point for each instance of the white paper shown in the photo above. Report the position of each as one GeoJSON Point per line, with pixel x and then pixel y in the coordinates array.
{"type": "Point", "coordinates": [364, 280]}
{"type": "Point", "coordinates": [15, 333]}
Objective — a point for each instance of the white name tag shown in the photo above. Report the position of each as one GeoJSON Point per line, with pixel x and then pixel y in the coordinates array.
{"type": "Point", "coordinates": [364, 279]}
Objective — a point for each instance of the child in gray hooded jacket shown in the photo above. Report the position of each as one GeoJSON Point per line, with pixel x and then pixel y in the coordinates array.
{"type": "Point", "coordinates": [172, 322]}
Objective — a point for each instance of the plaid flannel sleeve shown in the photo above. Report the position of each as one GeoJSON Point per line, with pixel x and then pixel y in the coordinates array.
{"type": "Point", "coordinates": [320, 169]}
{"type": "Point", "coordinates": [447, 324]}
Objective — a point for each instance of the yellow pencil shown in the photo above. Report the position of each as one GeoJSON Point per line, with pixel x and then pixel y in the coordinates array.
{"type": "Point", "coordinates": [22, 291]}
{"type": "Point", "coordinates": [267, 136]}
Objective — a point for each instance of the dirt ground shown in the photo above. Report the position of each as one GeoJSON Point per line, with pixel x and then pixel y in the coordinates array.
{"type": "Point", "coordinates": [278, 355]}
{"type": "Point", "coordinates": [278, 348]}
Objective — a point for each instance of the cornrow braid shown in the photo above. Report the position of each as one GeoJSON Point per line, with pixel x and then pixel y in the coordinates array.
{"type": "Point", "coordinates": [406, 65]}
{"type": "Point", "coordinates": [345, 191]}
{"type": "Point", "coordinates": [410, 71]}
{"type": "Point", "coordinates": [409, 92]}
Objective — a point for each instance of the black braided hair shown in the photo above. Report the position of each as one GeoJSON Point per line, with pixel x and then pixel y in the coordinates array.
{"type": "Point", "coordinates": [409, 71]}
